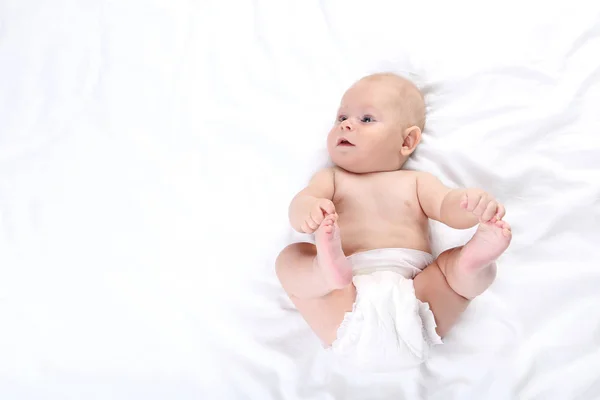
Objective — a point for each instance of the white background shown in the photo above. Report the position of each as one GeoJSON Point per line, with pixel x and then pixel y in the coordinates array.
{"type": "Point", "coordinates": [149, 151]}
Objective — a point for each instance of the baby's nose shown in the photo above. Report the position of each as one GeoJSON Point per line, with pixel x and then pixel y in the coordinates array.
{"type": "Point", "coordinates": [346, 125]}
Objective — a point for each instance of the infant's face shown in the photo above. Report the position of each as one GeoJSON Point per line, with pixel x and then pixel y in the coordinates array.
{"type": "Point", "coordinates": [367, 134]}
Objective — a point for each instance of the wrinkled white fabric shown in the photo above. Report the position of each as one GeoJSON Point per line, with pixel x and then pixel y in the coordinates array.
{"type": "Point", "coordinates": [149, 151]}
{"type": "Point", "coordinates": [388, 328]}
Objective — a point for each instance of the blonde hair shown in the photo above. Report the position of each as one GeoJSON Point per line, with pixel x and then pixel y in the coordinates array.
{"type": "Point", "coordinates": [410, 95]}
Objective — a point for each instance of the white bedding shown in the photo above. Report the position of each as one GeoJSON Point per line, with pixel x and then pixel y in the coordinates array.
{"type": "Point", "coordinates": [149, 150]}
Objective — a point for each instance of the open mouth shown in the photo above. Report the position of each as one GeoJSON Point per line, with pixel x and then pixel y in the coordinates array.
{"type": "Point", "coordinates": [344, 142]}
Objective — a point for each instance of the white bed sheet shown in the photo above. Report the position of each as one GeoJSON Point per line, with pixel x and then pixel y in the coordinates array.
{"type": "Point", "coordinates": [149, 150]}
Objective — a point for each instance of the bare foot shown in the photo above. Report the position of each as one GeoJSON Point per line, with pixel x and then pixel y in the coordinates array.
{"type": "Point", "coordinates": [474, 269]}
{"type": "Point", "coordinates": [488, 243]}
{"type": "Point", "coordinates": [330, 256]}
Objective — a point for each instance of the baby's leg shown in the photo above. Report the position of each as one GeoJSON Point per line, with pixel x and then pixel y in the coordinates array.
{"type": "Point", "coordinates": [460, 274]}
{"type": "Point", "coordinates": [318, 280]}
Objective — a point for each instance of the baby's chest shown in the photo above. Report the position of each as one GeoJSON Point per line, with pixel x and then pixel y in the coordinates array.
{"type": "Point", "coordinates": [382, 196]}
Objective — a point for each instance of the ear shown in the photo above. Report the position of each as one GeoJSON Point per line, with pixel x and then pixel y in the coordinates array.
{"type": "Point", "coordinates": [412, 137]}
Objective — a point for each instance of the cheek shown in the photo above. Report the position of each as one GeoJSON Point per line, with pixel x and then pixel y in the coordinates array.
{"type": "Point", "coordinates": [331, 140]}
{"type": "Point", "coordinates": [381, 144]}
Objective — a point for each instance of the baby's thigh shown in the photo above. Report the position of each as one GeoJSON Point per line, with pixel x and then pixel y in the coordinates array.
{"type": "Point", "coordinates": [447, 306]}
{"type": "Point", "coordinates": [325, 314]}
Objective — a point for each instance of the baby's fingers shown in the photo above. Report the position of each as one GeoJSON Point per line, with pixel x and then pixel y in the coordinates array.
{"type": "Point", "coordinates": [471, 201]}
{"type": "Point", "coordinates": [317, 216]}
{"type": "Point", "coordinates": [489, 212]}
{"type": "Point", "coordinates": [501, 212]}
{"type": "Point", "coordinates": [327, 206]}
{"type": "Point", "coordinates": [306, 228]}
{"type": "Point", "coordinates": [314, 224]}
{"type": "Point", "coordinates": [481, 206]}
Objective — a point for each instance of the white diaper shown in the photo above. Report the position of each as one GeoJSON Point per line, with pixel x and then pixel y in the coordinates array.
{"type": "Point", "coordinates": [388, 328]}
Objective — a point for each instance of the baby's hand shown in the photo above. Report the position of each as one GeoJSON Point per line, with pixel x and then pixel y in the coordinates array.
{"type": "Point", "coordinates": [482, 205]}
{"type": "Point", "coordinates": [316, 214]}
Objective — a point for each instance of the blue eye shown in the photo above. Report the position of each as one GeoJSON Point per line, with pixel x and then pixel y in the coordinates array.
{"type": "Point", "coordinates": [367, 119]}
{"type": "Point", "coordinates": [342, 118]}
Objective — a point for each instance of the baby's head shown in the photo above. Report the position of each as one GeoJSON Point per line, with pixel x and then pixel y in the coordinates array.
{"type": "Point", "coordinates": [378, 126]}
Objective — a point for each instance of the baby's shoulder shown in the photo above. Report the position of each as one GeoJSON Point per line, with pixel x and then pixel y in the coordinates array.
{"type": "Point", "coordinates": [323, 175]}
{"type": "Point", "coordinates": [409, 174]}
{"type": "Point", "coordinates": [416, 176]}
{"type": "Point", "coordinates": [405, 177]}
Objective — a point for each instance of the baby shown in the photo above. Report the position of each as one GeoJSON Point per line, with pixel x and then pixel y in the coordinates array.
{"type": "Point", "coordinates": [369, 287]}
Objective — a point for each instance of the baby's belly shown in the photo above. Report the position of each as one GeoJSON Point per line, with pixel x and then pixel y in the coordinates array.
{"type": "Point", "coordinates": [361, 237]}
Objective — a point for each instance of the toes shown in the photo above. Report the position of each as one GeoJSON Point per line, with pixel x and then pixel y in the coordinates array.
{"type": "Point", "coordinates": [503, 225]}
{"type": "Point", "coordinates": [327, 224]}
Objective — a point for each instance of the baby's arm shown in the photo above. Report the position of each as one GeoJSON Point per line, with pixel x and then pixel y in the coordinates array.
{"type": "Point", "coordinates": [309, 207]}
{"type": "Point", "coordinates": [457, 208]}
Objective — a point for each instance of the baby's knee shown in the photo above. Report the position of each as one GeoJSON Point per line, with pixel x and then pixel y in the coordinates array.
{"type": "Point", "coordinates": [447, 258]}
{"type": "Point", "coordinates": [282, 260]}
{"type": "Point", "coordinates": [292, 253]}
{"type": "Point", "coordinates": [297, 249]}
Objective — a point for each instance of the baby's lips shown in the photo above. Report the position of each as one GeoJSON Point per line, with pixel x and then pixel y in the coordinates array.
{"type": "Point", "coordinates": [344, 141]}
